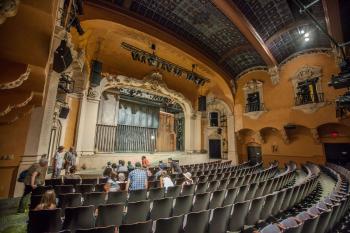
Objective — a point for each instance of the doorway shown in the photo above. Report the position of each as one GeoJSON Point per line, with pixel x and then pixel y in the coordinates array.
{"type": "Point", "coordinates": [338, 153]}
{"type": "Point", "coordinates": [254, 154]}
{"type": "Point", "coordinates": [214, 148]}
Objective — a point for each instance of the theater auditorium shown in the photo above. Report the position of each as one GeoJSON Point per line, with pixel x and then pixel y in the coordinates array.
{"type": "Point", "coordinates": [175, 116]}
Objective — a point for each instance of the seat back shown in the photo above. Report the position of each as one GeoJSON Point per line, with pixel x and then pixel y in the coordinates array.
{"type": "Point", "coordinates": [141, 227]}
{"type": "Point", "coordinates": [161, 208]}
{"type": "Point", "coordinates": [137, 195]}
{"type": "Point", "coordinates": [241, 196]}
{"type": "Point", "coordinates": [201, 187]}
{"type": "Point", "coordinates": [213, 185]}
{"type": "Point", "coordinates": [156, 193]}
{"type": "Point", "coordinates": [34, 201]}
{"type": "Point", "coordinates": [109, 229]}
{"type": "Point", "coordinates": [117, 197]}
{"type": "Point", "coordinates": [81, 217]}
{"type": "Point", "coordinates": [84, 188]}
{"type": "Point", "coordinates": [268, 205]}
{"type": "Point", "coordinates": [40, 190]}
{"type": "Point", "coordinates": [137, 212]}
{"type": "Point", "coordinates": [201, 202]}
{"type": "Point", "coordinates": [71, 181]}
{"type": "Point", "coordinates": [44, 221]}
{"type": "Point", "coordinates": [254, 211]}
{"type": "Point", "coordinates": [230, 196]}
{"type": "Point", "coordinates": [238, 215]}
{"type": "Point", "coordinates": [69, 200]}
{"type": "Point", "coordinates": [219, 218]}
{"type": "Point", "coordinates": [188, 190]}
{"type": "Point", "coordinates": [53, 182]}
{"type": "Point", "coordinates": [89, 181]}
{"type": "Point", "coordinates": [196, 222]}
{"type": "Point", "coordinates": [110, 214]}
{"type": "Point", "coordinates": [217, 198]}
{"type": "Point", "coordinates": [173, 191]}
{"type": "Point", "coordinates": [95, 199]}
{"type": "Point", "coordinates": [62, 189]}
{"type": "Point", "coordinates": [182, 205]}
{"type": "Point", "coordinates": [169, 225]}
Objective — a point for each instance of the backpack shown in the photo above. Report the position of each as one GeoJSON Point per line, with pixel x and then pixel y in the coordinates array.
{"type": "Point", "coordinates": [22, 175]}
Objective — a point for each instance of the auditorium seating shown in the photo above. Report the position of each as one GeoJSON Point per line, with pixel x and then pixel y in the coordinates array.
{"type": "Point", "coordinates": [231, 203]}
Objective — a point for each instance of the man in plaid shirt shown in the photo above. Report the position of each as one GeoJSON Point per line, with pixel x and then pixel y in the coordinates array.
{"type": "Point", "coordinates": [137, 178]}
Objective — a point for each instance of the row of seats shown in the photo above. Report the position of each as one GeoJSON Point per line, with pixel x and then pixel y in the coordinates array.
{"type": "Point", "coordinates": [326, 214]}
{"type": "Point", "coordinates": [321, 217]}
{"type": "Point", "coordinates": [183, 205]}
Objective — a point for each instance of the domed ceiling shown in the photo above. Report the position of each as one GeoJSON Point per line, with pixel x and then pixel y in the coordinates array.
{"type": "Point", "coordinates": [237, 35]}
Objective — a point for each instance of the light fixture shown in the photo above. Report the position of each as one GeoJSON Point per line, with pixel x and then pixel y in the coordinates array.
{"type": "Point", "coordinates": [306, 35]}
{"type": "Point", "coordinates": [307, 39]}
{"type": "Point", "coordinates": [301, 32]}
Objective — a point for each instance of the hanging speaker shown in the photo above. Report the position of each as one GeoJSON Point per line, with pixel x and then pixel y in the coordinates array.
{"type": "Point", "coordinates": [62, 57]}
{"type": "Point", "coordinates": [64, 111]}
{"type": "Point", "coordinates": [202, 103]}
{"type": "Point", "coordinates": [96, 73]}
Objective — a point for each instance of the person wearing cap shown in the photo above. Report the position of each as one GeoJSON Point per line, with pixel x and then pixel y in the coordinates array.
{"type": "Point", "coordinates": [188, 179]}
{"type": "Point", "coordinates": [58, 162]}
{"type": "Point", "coordinates": [137, 178]}
{"type": "Point", "coordinates": [32, 180]}
{"type": "Point", "coordinates": [175, 167]}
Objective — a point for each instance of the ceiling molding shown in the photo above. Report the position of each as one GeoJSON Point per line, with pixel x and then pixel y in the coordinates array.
{"type": "Point", "coordinates": [232, 12]}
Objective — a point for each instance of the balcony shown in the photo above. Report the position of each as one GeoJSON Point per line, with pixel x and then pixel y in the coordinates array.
{"type": "Point", "coordinates": [254, 107]}
{"type": "Point", "coordinates": [309, 99]}
{"type": "Point", "coordinates": [309, 103]}
{"type": "Point", "coordinates": [254, 110]}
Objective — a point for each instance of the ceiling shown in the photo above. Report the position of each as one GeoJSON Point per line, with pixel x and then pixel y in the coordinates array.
{"type": "Point", "coordinates": [204, 24]}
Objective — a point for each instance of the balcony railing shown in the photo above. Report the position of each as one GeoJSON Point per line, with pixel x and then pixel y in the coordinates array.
{"type": "Point", "coordinates": [309, 99]}
{"type": "Point", "coordinates": [254, 107]}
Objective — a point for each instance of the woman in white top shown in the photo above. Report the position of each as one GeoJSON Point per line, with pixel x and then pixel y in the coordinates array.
{"type": "Point", "coordinates": [112, 183]}
{"type": "Point", "coordinates": [165, 181]}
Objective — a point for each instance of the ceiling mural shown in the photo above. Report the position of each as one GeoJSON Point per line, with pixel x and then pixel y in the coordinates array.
{"type": "Point", "coordinates": [278, 23]}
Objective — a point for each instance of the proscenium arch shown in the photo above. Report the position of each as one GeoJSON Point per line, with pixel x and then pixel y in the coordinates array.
{"type": "Point", "coordinates": [154, 85]}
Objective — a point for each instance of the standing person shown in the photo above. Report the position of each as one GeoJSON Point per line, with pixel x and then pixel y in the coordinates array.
{"type": "Point", "coordinates": [145, 162]}
{"type": "Point", "coordinates": [32, 180]}
{"type": "Point", "coordinates": [112, 184]}
{"type": "Point", "coordinates": [175, 167]}
{"type": "Point", "coordinates": [58, 162]}
{"type": "Point", "coordinates": [70, 159]}
{"type": "Point", "coordinates": [165, 181]}
{"type": "Point", "coordinates": [130, 166]}
{"type": "Point", "coordinates": [137, 178]}
{"type": "Point", "coordinates": [122, 167]}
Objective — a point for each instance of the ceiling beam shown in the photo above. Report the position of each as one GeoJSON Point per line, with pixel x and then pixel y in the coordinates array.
{"type": "Point", "coordinates": [333, 21]}
{"type": "Point", "coordinates": [232, 12]}
{"type": "Point", "coordinates": [234, 51]}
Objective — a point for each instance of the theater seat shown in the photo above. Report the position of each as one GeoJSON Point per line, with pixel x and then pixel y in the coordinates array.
{"type": "Point", "coordinates": [109, 229]}
{"type": "Point", "coordinates": [44, 221]}
{"type": "Point", "coordinates": [169, 225]}
{"type": "Point", "coordinates": [140, 227]}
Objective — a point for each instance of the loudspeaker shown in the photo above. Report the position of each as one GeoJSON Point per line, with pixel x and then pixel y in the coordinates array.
{"type": "Point", "coordinates": [62, 57]}
{"type": "Point", "coordinates": [63, 112]}
{"type": "Point", "coordinates": [96, 69]}
{"type": "Point", "coordinates": [202, 103]}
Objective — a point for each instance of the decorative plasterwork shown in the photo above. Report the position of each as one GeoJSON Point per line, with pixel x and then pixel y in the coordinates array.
{"type": "Point", "coordinates": [153, 83]}
{"type": "Point", "coordinates": [8, 8]}
{"type": "Point", "coordinates": [315, 135]}
{"type": "Point", "coordinates": [16, 83]}
{"type": "Point", "coordinates": [14, 106]}
{"type": "Point", "coordinates": [303, 74]}
{"type": "Point", "coordinates": [274, 75]}
{"type": "Point", "coordinates": [285, 136]}
{"type": "Point", "coordinates": [251, 87]}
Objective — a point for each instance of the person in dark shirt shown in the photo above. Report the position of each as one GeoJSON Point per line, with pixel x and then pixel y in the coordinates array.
{"type": "Point", "coordinates": [175, 167]}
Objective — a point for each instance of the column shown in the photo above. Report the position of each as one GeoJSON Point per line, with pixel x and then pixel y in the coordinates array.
{"type": "Point", "coordinates": [38, 136]}
{"type": "Point", "coordinates": [197, 133]}
{"type": "Point", "coordinates": [231, 140]}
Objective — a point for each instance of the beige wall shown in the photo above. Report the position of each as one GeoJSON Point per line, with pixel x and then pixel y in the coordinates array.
{"type": "Point", "coordinates": [301, 145]}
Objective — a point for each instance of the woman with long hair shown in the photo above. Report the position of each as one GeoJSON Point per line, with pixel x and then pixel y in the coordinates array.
{"type": "Point", "coordinates": [48, 201]}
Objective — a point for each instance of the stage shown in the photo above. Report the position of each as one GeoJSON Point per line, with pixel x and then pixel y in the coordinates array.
{"type": "Point", "coordinates": [95, 163]}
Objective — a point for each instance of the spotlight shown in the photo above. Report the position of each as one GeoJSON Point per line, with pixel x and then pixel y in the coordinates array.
{"type": "Point", "coordinates": [306, 35]}
{"type": "Point", "coordinates": [301, 32]}
{"type": "Point", "coordinates": [307, 39]}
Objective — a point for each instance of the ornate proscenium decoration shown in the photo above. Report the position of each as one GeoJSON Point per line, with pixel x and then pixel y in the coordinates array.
{"type": "Point", "coordinates": [153, 60]}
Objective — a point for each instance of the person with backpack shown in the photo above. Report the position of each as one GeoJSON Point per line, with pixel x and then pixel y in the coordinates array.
{"type": "Point", "coordinates": [32, 178]}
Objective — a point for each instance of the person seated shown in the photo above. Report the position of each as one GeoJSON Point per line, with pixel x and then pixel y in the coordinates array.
{"type": "Point", "coordinates": [115, 167]}
{"type": "Point", "coordinates": [188, 179]}
{"type": "Point", "coordinates": [165, 181]}
{"type": "Point", "coordinates": [122, 167]}
{"type": "Point", "coordinates": [130, 166]}
{"type": "Point", "coordinates": [112, 184]}
{"type": "Point", "coordinates": [121, 177]}
{"type": "Point", "coordinates": [145, 162]}
{"type": "Point", "coordinates": [48, 201]}
{"type": "Point", "coordinates": [162, 165]}
{"type": "Point", "coordinates": [107, 172]}
{"type": "Point", "coordinates": [71, 174]}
